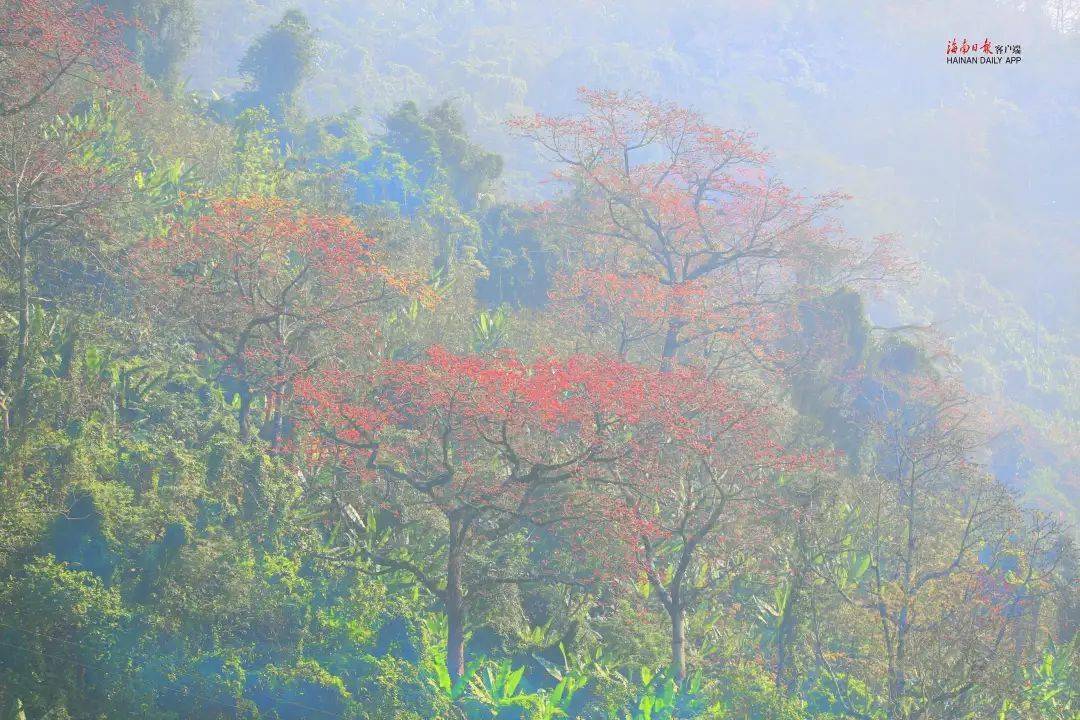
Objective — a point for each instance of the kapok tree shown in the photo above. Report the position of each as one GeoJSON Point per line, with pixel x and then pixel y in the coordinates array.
{"type": "Point", "coordinates": [46, 43]}
{"type": "Point", "coordinates": [269, 289]}
{"type": "Point", "coordinates": [53, 54]}
{"type": "Point", "coordinates": [700, 482]}
{"type": "Point", "coordinates": [53, 185]}
{"type": "Point", "coordinates": [681, 250]}
{"type": "Point", "coordinates": [677, 237]}
{"type": "Point", "coordinates": [476, 450]}
{"type": "Point", "coordinates": [937, 529]}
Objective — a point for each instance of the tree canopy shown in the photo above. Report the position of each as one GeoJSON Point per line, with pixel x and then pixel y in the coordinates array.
{"type": "Point", "coordinates": [305, 419]}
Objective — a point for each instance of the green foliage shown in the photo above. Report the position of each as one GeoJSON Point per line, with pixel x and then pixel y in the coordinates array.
{"type": "Point", "coordinates": [517, 266]}
{"type": "Point", "coordinates": [748, 693]}
{"type": "Point", "coordinates": [489, 329]}
{"type": "Point", "coordinates": [1049, 689]}
{"type": "Point", "coordinates": [153, 565]}
{"type": "Point", "coordinates": [164, 36]}
{"type": "Point", "coordinates": [258, 166]}
{"type": "Point", "coordinates": [277, 63]}
{"type": "Point", "coordinates": [56, 618]}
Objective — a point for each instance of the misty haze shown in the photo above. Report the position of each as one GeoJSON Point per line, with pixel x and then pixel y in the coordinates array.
{"type": "Point", "coordinates": [463, 359]}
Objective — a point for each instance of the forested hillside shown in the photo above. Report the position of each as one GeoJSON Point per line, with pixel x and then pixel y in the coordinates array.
{"type": "Point", "coordinates": [848, 95]}
{"type": "Point", "coordinates": [306, 415]}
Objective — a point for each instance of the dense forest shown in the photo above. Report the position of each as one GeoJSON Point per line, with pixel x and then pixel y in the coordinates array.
{"type": "Point", "coordinates": [309, 414]}
{"type": "Point", "coordinates": [844, 93]}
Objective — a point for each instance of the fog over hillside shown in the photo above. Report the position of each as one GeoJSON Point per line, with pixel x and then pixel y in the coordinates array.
{"type": "Point", "coordinates": [538, 359]}
{"type": "Point", "coordinates": [965, 163]}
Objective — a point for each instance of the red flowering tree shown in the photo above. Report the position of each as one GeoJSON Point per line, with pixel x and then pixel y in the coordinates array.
{"type": "Point", "coordinates": [640, 472]}
{"type": "Point", "coordinates": [269, 289]}
{"type": "Point", "coordinates": [53, 177]}
{"type": "Point", "coordinates": [679, 237]}
{"type": "Point", "coordinates": [942, 579]}
{"type": "Point", "coordinates": [48, 42]}
{"type": "Point", "coordinates": [482, 449]}
{"type": "Point", "coordinates": [681, 251]}
{"type": "Point", "coordinates": [702, 483]}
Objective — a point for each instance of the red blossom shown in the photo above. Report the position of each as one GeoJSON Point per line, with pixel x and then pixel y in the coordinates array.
{"type": "Point", "coordinates": [46, 42]}
{"type": "Point", "coordinates": [681, 233]}
{"type": "Point", "coordinates": [266, 285]}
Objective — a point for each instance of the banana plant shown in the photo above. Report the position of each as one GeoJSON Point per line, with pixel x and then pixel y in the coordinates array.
{"type": "Point", "coordinates": [536, 636]}
{"type": "Point", "coordinates": [132, 381]}
{"type": "Point", "coordinates": [489, 329]}
{"type": "Point", "coordinates": [168, 191]}
{"type": "Point", "coordinates": [576, 672]}
{"type": "Point", "coordinates": [851, 567]}
{"type": "Point", "coordinates": [455, 691]}
{"type": "Point", "coordinates": [405, 317]}
{"type": "Point", "coordinates": [851, 564]}
{"type": "Point", "coordinates": [1048, 689]}
{"type": "Point", "coordinates": [661, 698]}
{"type": "Point", "coordinates": [433, 631]}
{"type": "Point", "coordinates": [496, 686]}
{"type": "Point", "coordinates": [557, 702]}
{"type": "Point", "coordinates": [771, 614]}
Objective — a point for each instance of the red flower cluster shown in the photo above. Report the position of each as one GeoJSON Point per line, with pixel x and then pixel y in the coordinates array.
{"type": "Point", "coordinates": [45, 41]}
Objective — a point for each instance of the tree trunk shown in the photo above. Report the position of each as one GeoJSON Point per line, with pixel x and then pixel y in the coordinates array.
{"type": "Point", "coordinates": [455, 603]}
{"type": "Point", "coordinates": [22, 350]}
{"type": "Point", "coordinates": [244, 416]}
{"type": "Point", "coordinates": [677, 614]}
{"type": "Point", "coordinates": [671, 346]}
{"type": "Point", "coordinates": [785, 636]}
{"type": "Point", "coordinates": [781, 652]}
{"type": "Point", "coordinates": [897, 688]}
{"type": "Point", "coordinates": [279, 416]}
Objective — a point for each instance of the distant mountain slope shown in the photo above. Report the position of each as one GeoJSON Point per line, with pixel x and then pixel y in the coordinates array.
{"type": "Point", "coordinates": [973, 166]}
